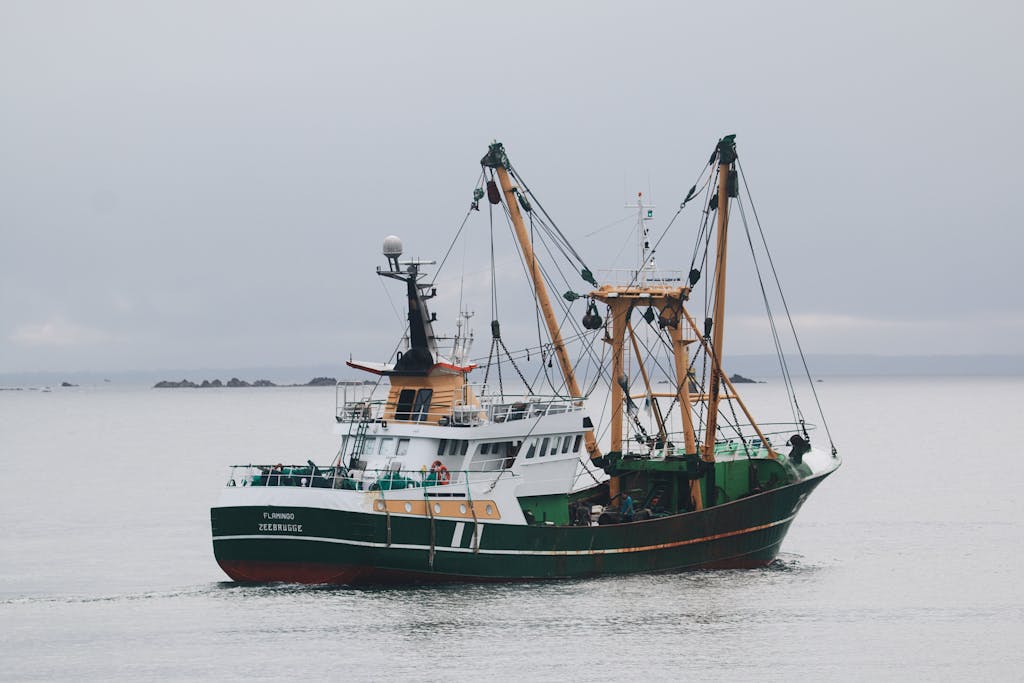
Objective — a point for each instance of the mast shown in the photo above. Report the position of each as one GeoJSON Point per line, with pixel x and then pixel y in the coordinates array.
{"type": "Point", "coordinates": [644, 213]}
{"type": "Point", "coordinates": [497, 160]}
{"type": "Point", "coordinates": [726, 187]}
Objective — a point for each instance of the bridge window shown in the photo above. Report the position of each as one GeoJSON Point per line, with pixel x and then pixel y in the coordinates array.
{"type": "Point", "coordinates": [403, 447]}
{"type": "Point", "coordinates": [421, 407]}
{"type": "Point", "coordinates": [566, 440]}
{"type": "Point", "coordinates": [404, 407]}
{"type": "Point", "coordinates": [576, 443]}
{"type": "Point", "coordinates": [532, 450]}
{"type": "Point", "coordinates": [440, 446]}
{"type": "Point", "coordinates": [544, 447]}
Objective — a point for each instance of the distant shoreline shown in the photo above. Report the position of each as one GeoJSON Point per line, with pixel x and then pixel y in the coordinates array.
{"type": "Point", "coordinates": [235, 383]}
{"type": "Point", "coordinates": [763, 367]}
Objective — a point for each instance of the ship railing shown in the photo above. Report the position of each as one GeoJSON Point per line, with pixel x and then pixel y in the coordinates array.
{"type": "Point", "coordinates": [360, 411]}
{"type": "Point", "coordinates": [473, 410]}
{"type": "Point", "coordinates": [506, 407]}
{"type": "Point", "coordinates": [358, 479]}
{"type": "Point", "coordinates": [746, 442]}
{"type": "Point", "coordinates": [354, 402]}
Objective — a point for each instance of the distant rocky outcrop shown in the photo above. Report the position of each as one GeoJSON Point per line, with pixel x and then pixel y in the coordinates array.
{"type": "Point", "coordinates": [234, 382]}
{"type": "Point", "coordinates": [183, 384]}
{"type": "Point", "coordinates": [740, 379]}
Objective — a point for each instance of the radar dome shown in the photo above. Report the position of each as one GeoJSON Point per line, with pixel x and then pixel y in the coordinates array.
{"type": "Point", "coordinates": [392, 247]}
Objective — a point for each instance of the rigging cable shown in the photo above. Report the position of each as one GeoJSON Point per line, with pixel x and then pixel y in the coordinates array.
{"type": "Point", "coordinates": [789, 317]}
{"type": "Point", "coordinates": [455, 239]}
{"type": "Point", "coordinates": [794, 405]}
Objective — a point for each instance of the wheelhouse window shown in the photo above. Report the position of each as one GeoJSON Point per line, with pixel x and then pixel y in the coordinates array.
{"type": "Point", "coordinates": [566, 440]}
{"type": "Point", "coordinates": [576, 443]}
{"type": "Point", "coordinates": [421, 407]}
{"type": "Point", "coordinates": [403, 447]}
{"type": "Point", "coordinates": [532, 450]}
{"type": "Point", "coordinates": [405, 401]}
{"type": "Point", "coordinates": [544, 447]}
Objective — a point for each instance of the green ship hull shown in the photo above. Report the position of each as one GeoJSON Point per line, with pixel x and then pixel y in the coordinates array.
{"type": "Point", "coordinates": [336, 547]}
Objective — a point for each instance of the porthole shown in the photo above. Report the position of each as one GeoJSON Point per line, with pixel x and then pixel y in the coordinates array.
{"type": "Point", "coordinates": [462, 508]}
{"type": "Point", "coordinates": [380, 505]}
{"type": "Point", "coordinates": [489, 509]}
{"type": "Point", "coordinates": [408, 507]}
{"type": "Point", "coordinates": [437, 508]}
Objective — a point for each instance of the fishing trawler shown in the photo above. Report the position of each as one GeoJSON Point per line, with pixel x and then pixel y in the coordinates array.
{"type": "Point", "coordinates": [438, 478]}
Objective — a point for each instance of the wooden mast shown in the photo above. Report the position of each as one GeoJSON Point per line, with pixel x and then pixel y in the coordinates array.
{"type": "Point", "coordinates": [681, 356]}
{"type": "Point", "coordinates": [539, 288]}
{"type": "Point", "coordinates": [620, 310]}
{"type": "Point", "coordinates": [726, 156]}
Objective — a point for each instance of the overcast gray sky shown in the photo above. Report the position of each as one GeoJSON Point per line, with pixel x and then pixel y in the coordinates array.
{"type": "Point", "coordinates": [207, 184]}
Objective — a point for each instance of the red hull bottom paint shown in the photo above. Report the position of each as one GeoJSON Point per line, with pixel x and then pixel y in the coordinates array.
{"type": "Point", "coordinates": [249, 571]}
{"type": "Point", "coordinates": [246, 571]}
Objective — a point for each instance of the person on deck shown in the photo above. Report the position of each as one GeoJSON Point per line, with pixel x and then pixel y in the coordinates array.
{"type": "Point", "coordinates": [627, 509]}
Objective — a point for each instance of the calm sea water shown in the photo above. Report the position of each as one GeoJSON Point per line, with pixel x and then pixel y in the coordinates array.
{"type": "Point", "coordinates": [905, 564]}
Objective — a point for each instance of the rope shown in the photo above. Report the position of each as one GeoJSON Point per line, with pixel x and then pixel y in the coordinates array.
{"type": "Point", "coordinates": [516, 367]}
{"type": "Point", "coordinates": [540, 206]}
{"type": "Point", "coordinates": [789, 317]}
{"type": "Point", "coordinates": [794, 405]}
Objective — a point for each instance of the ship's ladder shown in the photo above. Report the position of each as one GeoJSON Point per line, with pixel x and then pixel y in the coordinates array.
{"type": "Point", "coordinates": [360, 438]}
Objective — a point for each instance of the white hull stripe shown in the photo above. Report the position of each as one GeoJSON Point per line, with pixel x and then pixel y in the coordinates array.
{"type": "Point", "coordinates": [597, 551]}
{"type": "Point", "coordinates": [457, 536]}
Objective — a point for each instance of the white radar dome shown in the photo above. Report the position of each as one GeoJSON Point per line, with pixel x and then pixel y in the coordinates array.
{"type": "Point", "coordinates": [392, 246]}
